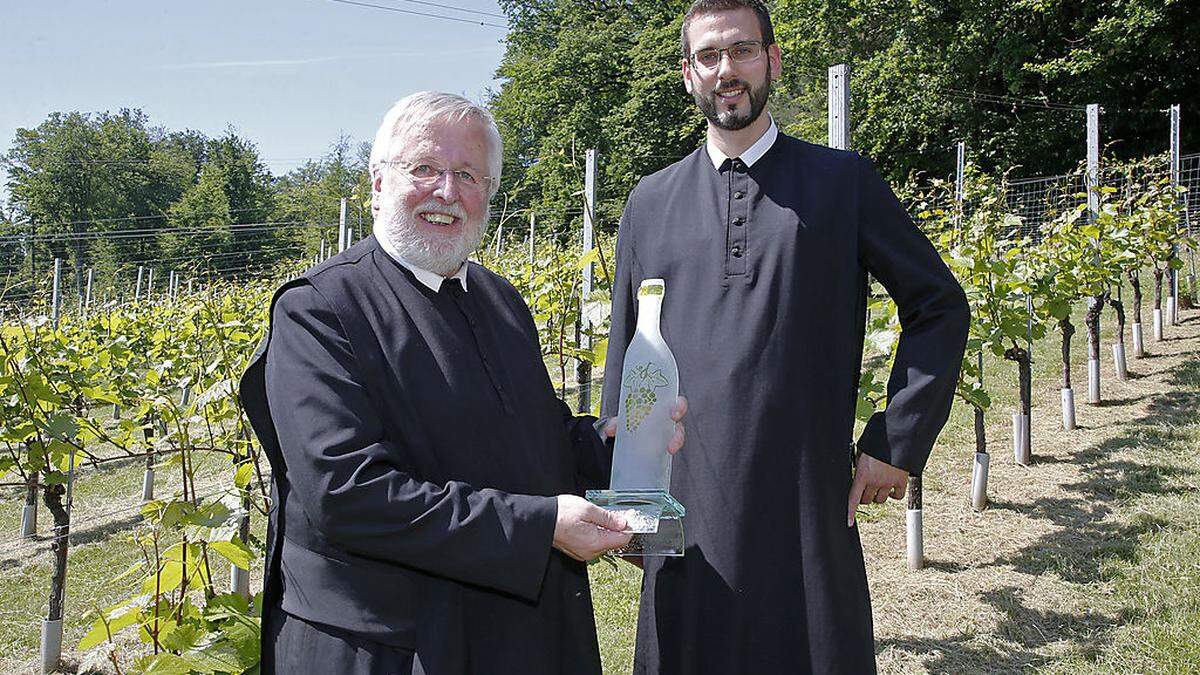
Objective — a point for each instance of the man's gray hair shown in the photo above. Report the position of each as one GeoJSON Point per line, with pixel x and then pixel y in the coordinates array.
{"type": "Point", "coordinates": [416, 110]}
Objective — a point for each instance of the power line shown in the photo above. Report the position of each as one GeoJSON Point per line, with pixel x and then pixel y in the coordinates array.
{"type": "Point", "coordinates": [158, 216]}
{"type": "Point", "coordinates": [975, 96]}
{"type": "Point", "coordinates": [151, 233]}
{"type": "Point", "coordinates": [456, 9]}
{"type": "Point", "coordinates": [216, 255]}
{"type": "Point", "coordinates": [416, 13]}
{"type": "Point", "coordinates": [999, 99]}
{"type": "Point", "coordinates": [233, 228]}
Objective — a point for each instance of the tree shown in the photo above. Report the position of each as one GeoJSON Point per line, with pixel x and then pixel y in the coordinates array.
{"type": "Point", "coordinates": [1073, 267]}
{"type": "Point", "coordinates": [248, 190]}
{"type": "Point", "coordinates": [928, 74]}
{"type": "Point", "coordinates": [1157, 221]}
{"type": "Point", "coordinates": [79, 173]}
{"type": "Point", "coordinates": [247, 183]}
{"type": "Point", "coordinates": [310, 196]}
{"type": "Point", "coordinates": [984, 247]}
{"type": "Point", "coordinates": [1003, 76]}
{"type": "Point", "coordinates": [200, 233]}
{"type": "Point", "coordinates": [587, 74]}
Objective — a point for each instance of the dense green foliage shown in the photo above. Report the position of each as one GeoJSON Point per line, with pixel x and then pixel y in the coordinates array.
{"type": "Point", "coordinates": [62, 382]}
{"type": "Point", "coordinates": [607, 75]}
{"type": "Point", "coordinates": [110, 192]}
{"type": "Point", "coordinates": [983, 245]}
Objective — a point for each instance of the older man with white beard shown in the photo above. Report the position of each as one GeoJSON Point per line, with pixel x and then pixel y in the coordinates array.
{"type": "Point", "coordinates": [425, 515]}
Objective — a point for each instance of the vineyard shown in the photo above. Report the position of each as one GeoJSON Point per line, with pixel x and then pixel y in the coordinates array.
{"type": "Point", "coordinates": [134, 493]}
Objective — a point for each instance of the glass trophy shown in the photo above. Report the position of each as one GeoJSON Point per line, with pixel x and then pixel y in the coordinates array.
{"type": "Point", "coordinates": [641, 468]}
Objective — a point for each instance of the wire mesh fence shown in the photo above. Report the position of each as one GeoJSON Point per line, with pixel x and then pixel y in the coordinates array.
{"type": "Point", "coordinates": [1189, 177]}
{"type": "Point", "coordinates": [1040, 199]}
{"type": "Point", "coordinates": [1037, 200]}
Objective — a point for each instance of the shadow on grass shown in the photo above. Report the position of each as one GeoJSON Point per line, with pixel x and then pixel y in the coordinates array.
{"type": "Point", "coordinates": [1045, 460]}
{"type": "Point", "coordinates": [963, 653]}
{"type": "Point", "coordinates": [950, 566]}
{"type": "Point", "coordinates": [1031, 629]}
{"type": "Point", "coordinates": [104, 531]}
{"type": "Point", "coordinates": [1118, 402]}
{"type": "Point", "coordinates": [1082, 546]}
{"type": "Point", "coordinates": [39, 545]}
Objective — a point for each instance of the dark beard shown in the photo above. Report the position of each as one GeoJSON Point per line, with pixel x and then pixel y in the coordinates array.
{"type": "Point", "coordinates": [730, 121]}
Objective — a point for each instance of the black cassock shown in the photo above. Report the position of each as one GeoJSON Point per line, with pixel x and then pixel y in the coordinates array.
{"type": "Point", "coordinates": [416, 446]}
{"type": "Point", "coordinates": [765, 271]}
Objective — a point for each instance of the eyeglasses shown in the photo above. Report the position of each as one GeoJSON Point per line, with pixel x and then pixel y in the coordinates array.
{"type": "Point", "coordinates": [739, 52]}
{"type": "Point", "coordinates": [424, 175]}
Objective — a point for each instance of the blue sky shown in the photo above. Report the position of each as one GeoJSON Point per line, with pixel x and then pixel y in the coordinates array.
{"type": "Point", "coordinates": [290, 75]}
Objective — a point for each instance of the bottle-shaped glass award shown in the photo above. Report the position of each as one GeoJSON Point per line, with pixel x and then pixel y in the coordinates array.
{"type": "Point", "coordinates": [641, 468]}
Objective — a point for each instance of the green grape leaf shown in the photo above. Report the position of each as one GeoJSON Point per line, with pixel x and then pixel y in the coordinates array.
{"type": "Point", "coordinates": [234, 551]}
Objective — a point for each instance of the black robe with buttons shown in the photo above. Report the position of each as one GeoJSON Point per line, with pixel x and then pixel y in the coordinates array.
{"type": "Point", "coordinates": [765, 271]}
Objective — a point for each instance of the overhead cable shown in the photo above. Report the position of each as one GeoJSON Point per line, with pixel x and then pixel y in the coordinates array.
{"type": "Point", "coordinates": [416, 13]}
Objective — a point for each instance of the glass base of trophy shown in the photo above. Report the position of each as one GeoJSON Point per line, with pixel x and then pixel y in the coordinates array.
{"type": "Point", "coordinates": [653, 517]}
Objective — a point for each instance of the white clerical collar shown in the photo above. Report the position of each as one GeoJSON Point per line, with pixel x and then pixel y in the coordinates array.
{"type": "Point", "coordinates": [752, 153]}
{"type": "Point", "coordinates": [432, 280]}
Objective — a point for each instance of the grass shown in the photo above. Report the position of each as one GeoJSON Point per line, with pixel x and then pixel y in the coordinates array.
{"type": "Point", "coordinates": [1059, 574]}
{"type": "Point", "coordinates": [24, 590]}
{"type": "Point", "coordinates": [1155, 581]}
{"type": "Point", "coordinates": [615, 592]}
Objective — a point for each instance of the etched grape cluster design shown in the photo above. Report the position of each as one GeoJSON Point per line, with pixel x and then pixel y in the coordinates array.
{"type": "Point", "coordinates": [641, 385]}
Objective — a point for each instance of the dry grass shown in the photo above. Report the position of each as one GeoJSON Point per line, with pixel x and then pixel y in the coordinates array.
{"type": "Point", "coordinates": [1042, 578]}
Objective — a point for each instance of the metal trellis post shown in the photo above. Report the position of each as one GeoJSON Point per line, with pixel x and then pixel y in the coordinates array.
{"type": "Point", "coordinates": [343, 235]}
{"type": "Point", "coordinates": [1173, 278]}
{"type": "Point", "coordinates": [1093, 202]}
{"type": "Point", "coordinates": [839, 106]}
{"type": "Point", "coordinates": [583, 374]}
{"type": "Point", "coordinates": [87, 295]}
{"type": "Point", "coordinates": [56, 292]}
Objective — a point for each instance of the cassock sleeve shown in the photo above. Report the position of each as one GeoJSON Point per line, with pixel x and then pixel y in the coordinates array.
{"type": "Point", "coordinates": [343, 469]}
{"type": "Point", "coordinates": [934, 318]}
{"type": "Point", "coordinates": [593, 457]}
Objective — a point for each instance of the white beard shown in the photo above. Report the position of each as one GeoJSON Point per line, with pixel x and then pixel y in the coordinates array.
{"type": "Point", "coordinates": [440, 254]}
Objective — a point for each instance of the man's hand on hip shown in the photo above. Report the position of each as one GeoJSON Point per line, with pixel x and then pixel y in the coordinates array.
{"type": "Point", "coordinates": [874, 481]}
{"type": "Point", "coordinates": [585, 531]}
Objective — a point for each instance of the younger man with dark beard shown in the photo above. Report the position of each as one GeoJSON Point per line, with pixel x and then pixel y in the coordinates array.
{"type": "Point", "coordinates": [764, 242]}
